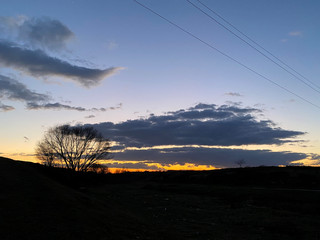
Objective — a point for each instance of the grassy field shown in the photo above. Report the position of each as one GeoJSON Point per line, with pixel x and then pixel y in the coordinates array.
{"type": "Point", "coordinates": [248, 203]}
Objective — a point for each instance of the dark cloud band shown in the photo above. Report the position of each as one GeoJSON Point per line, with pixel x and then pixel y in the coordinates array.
{"type": "Point", "coordinates": [14, 90]}
{"type": "Point", "coordinates": [203, 124]}
{"type": "Point", "coordinates": [38, 64]}
{"type": "Point", "coordinates": [217, 157]}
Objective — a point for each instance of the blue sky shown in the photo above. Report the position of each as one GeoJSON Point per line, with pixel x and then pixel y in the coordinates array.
{"type": "Point", "coordinates": [112, 62]}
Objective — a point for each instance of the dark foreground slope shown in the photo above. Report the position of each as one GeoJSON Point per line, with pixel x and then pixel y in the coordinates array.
{"type": "Point", "coordinates": [261, 203]}
{"type": "Point", "coordinates": [33, 206]}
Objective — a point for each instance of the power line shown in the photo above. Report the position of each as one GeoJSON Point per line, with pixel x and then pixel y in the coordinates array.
{"type": "Point", "coordinates": [230, 24]}
{"type": "Point", "coordinates": [226, 55]}
{"type": "Point", "coordinates": [256, 49]}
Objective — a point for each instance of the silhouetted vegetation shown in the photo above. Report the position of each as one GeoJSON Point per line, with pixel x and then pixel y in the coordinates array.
{"type": "Point", "coordinates": [77, 148]}
{"type": "Point", "coordinates": [240, 162]}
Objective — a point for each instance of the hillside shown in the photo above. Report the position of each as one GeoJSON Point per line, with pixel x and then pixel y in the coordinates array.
{"type": "Point", "coordinates": [34, 206]}
{"type": "Point", "coordinates": [248, 203]}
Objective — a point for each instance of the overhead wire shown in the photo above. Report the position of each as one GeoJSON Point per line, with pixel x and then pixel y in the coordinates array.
{"type": "Point", "coordinates": [226, 55]}
{"type": "Point", "coordinates": [256, 49]}
{"type": "Point", "coordinates": [259, 45]}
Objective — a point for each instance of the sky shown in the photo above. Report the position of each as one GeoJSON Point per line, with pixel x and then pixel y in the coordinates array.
{"type": "Point", "coordinates": [173, 84]}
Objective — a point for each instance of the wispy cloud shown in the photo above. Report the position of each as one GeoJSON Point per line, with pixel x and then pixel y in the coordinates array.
{"type": "Point", "coordinates": [13, 90]}
{"type": "Point", "coordinates": [60, 106]}
{"type": "Point", "coordinates": [112, 45]}
{"type": "Point", "coordinates": [295, 33]}
{"type": "Point", "coordinates": [44, 32]}
{"type": "Point", "coordinates": [9, 26]}
{"type": "Point", "coordinates": [5, 108]}
{"type": "Point", "coordinates": [234, 94]}
{"type": "Point", "coordinates": [38, 64]}
{"type": "Point", "coordinates": [53, 106]}
{"type": "Point", "coordinates": [118, 106]}
{"type": "Point", "coordinates": [24, 45]}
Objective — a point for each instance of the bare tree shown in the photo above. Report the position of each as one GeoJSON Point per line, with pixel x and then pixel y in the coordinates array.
{"type": "Point", "coordinates": [77, 148]}
{"type": "Point", "coordinates": [99, 168]}
{"type": "Point", "coordinates": [45, 155]}
{"type": "Point", "coordinates": [240, 162]}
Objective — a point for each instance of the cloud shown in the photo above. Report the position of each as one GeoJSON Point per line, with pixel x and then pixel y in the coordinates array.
{"type": "Point", "coordinates": [217, 157]}
{"type": "Point", "coordinates": [14, 90]}
{"type": "Point", "coordinates": [203, 135]}
{"type": "Point", "coordinates": [234, 94]}
{"type": "Point", "coordinates": [292, 34]}
{"type": "Point", "coordinates": [112, 45]}
{"type": "Point", "coordinates": [204, 124]}
{"type": "Point", "coordinates": [295, 33]}
{"type": "Point", "coordinates": [53, 106]}
{"type": "Point", "coordinates": [60, 106]}
{"type": "Point", "coordinates": [38, 64]}
{"type": "Point", "coordinates": [90, 116]}
{"type": "Point", "coordinates": [5, 108]}
{"type": "Point", "coordinates": [117, 107]}
{"type": "Point", "coordinates": [45, 32]}
{"type": "Point", "coordinates": [12, 22]}
{"type": "Point", "coordinates": [9, 26]}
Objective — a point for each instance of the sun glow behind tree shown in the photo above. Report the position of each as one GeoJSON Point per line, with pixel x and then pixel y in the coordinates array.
{"type": "Point", "coordinates": [77, 148]}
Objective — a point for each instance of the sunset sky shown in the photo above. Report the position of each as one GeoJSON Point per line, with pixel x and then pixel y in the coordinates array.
{"type": "Point", "coordinates": [171, 87]}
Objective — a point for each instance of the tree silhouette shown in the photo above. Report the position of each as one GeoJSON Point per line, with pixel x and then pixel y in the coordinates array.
{"type": "Point", "coordinates": [240, 162]}
{"type": "Point", "coordinates": [78, 148]}
{"type": "Point", "coordinates": [46, 155]}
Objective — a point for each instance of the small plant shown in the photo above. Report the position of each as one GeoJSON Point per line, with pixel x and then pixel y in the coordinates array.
{"type": "Point", "coordinates": [99, 169]}
{"type": "Point", "coordinates": [121, 170]}
{"type": "Point", "coordinates": [240, 162]}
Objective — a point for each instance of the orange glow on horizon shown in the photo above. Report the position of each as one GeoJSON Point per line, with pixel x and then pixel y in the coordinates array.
{"type": "Point", "coordinates": [187, 166]}
{"type": "Point", "coordinates": [149, 165]}
{"type": "Point", "coordinates": [171, 167]}
{"type": "Point", "coordinates": [123, 167]}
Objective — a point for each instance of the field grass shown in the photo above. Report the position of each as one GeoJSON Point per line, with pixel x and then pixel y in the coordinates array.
{"type": "Point", "coordinates": [249, 203]}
